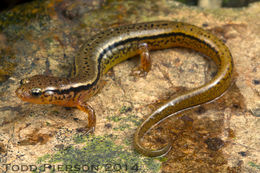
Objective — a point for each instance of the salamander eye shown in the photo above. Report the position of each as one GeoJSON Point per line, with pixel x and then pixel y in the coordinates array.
{"type": "Point", "coordinates": [36, 92]}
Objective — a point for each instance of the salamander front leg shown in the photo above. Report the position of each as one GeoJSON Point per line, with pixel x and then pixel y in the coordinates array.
{"type": "Point", "coordinates": [145, 63]}
{"type": "Point", "coordinates": [91, 116]}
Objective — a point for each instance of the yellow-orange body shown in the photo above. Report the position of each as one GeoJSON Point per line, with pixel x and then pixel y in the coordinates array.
{"type": "Point", "coordinates": [115, 45]}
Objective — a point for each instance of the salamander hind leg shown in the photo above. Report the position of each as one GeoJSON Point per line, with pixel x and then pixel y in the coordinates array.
{"type": "Point", "coordinates": [145, 61]}
{"type": "Point", "coordinates": [91, 116]}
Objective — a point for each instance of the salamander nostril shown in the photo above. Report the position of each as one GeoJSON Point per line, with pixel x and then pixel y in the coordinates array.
{"type": "Point", "coordinates": [24, 81]}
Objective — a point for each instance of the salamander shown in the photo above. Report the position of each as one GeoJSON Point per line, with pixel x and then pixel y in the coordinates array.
{"type": "Point", "coordinates": [114, 45]}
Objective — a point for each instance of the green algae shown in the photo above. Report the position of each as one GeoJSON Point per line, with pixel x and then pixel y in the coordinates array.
{"type": "Point", "coordinates": [252, 164]}
{"type": "Point", "coordinates": [99, 154]}
{"type": "Point", "coordinates": [124, 121]}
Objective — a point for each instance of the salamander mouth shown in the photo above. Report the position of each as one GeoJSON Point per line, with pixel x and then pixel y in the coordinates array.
{"type": "Point", "coordinates": [27, 97]}
{"type": "Point", "coordinates": [22, 94]}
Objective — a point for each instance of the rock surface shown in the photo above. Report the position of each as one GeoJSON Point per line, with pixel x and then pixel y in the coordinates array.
{"type": "Point", "coordinates": [43, 37]}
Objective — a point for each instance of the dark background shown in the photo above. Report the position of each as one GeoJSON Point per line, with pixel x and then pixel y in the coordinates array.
{"type": "Point", "coordinates": [7, 4]}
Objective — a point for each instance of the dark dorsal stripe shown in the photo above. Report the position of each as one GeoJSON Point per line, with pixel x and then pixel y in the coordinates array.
{"type": "Point", "coordinates": [109, 47]}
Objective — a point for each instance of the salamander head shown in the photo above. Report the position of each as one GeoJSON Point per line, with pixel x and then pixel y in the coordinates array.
{"type": "Point", "coordinates": [40, 89]}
